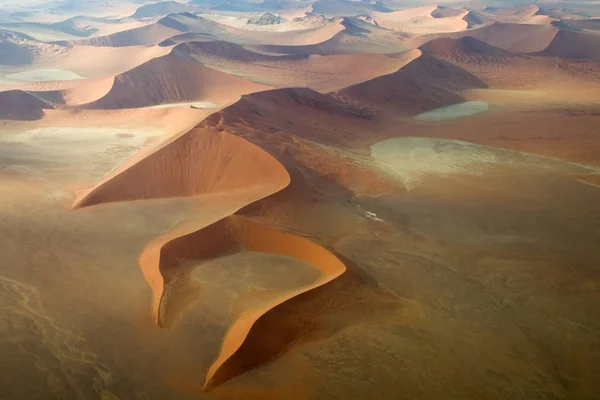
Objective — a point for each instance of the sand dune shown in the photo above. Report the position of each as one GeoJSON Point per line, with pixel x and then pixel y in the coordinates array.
{"type": "Point", "coordinates": [421, 20]}
{"type": "Point", "coordinates": [321, 73]}
{"type": "Point", "coordinates": [182, 27]}
{"type": "Point", "coordinates": [256, 237]}
{"type": "Point", "coordinates": [100, 62]}
{"type": "Point", "coordinates": [160, 9]}
{"type": "Point", "coordinates": [20, 105]}
{"type": "Point", "coordinates": [147, 35]}
{"type": "Point", "coordinates": [466, 50]}
{"type": "Point", "coordinates": [502, 70]}
{"type": "Point", "coordinates": [573, 45]}
{"type": "Point", "coordinates": [516, 38]}
{"type": "Point", "coordinates": [445, 12]}
{"type": "Point", "coordinates": [358, 36]}
{"type": "Point", "coordinates": [172, 79]}
{"type": "Point", "coordinates": [203, 166]}
{"type": "Point", "coordinates": [423, 84]}
{"type": "Point", "coordinates": [87, 61]}
{"type": "Point", "coordinates": [588, 24]}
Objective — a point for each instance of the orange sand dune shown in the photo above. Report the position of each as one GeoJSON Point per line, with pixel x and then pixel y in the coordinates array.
{"type": "Point", "coordinates": [321, 73]}
{"type": "Point", "coordinates": [234, 231]}
{"type": "Point", "coordinates": [423, 84]}
{"type": "Point", "coordinates": [420, 20]}
{"type": "Point", "coordinates": [211, 162]}
{"type": "Point", "coordinates": [500, 69]}
{"type": "Point", "coordinates": [67, 93]}
{"type": "Point", "coordinates": [466, 50]}
{"type": "Point", "coordinates": [358, 36]}
{"type": "Point", "coordinates": [178, 28]}
{"type": "Point", "coordinates": [148, 35]}
{"type": "Point", "coordinates": [573, 45]}
{"type": "Point", "coordinates": [513, 37]}
{"type": "Point", "coordinates": [172, 79]}
{"type": "Point", "coordinates": [99, 62]}
{"type": "Point", "coordinates": [204, 165]}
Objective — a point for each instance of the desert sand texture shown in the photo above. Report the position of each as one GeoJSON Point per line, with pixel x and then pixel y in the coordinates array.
{"type": "Point", "coordinates": [299, 199]}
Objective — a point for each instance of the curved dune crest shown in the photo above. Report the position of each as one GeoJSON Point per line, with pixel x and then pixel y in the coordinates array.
{"type": "Point", "coordinates": [198, 162]}
{"type": "Point", "coordinates": [423, 84]}
{"type": "Point", "coordinates": [322, 73]}
{"type": "Point", "coordinates": [87, 91]}
{"type": "Point", "coordinates": [172, 79]}
{"type": "Point", "coordinates": [573, 45]}
{"type": "Point", "coordinates": [218, 239]}
{"type": "Point", "coordinates": [513, 37]}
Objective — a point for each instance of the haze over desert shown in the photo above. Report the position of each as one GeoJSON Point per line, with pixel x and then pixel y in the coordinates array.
{"type": "Point", "coordinates": [299, 199]}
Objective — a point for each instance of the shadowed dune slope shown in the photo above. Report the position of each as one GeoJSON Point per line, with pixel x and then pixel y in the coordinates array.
{"type": "Point", "coordinates": [465, 49]}
{"type": "Point", "coordinates": [148, 35]}
{"type": "Point", "coordinates": [196, 163]}
{"type": "Point", "coordinates": [573, 45]}
{"type": "Point", "coordinates": [322, 73]}
{"type": "Point", "coordinates": [425, 83]}
{"type": "Point", "coordinates": [20, 105]}
{"type": "Point", "coordinates": [68, 93]}
{"type": "Point", "coordinates": [445, 12]}
{"type": "Point", "coordinates": [516, 38]}
{"type": "Point", "coordinates": [160, 8]}
{"type": "Point", "coordinates": [202, 51]}
{"type": "Point", "coordinates": [172, 79]}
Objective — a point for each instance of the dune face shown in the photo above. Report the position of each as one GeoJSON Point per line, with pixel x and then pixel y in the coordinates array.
{"type": "Point", "coordinates": [203, 168]}
{"type": "Point", "coordinates": [174, 80]}
{"type": "Point", "coordinates": [291, 199]}
{"type": "Point", "coordinates": [573, 45]}
{"type": "Point", "coordinates": [423, 84]}
{"type": "Point", "coordinates": [20, 105]}
{"type": "Point", "coordinates": [221, 238]}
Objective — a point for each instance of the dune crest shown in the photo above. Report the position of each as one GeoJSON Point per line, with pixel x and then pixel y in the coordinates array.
{"type": "Point", "coordinates": [231, 173]}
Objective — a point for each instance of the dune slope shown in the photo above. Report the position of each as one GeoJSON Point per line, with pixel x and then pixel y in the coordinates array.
{"type": "Point", "coordinates": [425, 83]}
{"type": "Point", "coordinates": [172, 79]}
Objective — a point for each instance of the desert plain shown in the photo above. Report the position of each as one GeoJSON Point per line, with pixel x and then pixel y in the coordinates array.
{"type": "Point", "coordinates": [290, 199]}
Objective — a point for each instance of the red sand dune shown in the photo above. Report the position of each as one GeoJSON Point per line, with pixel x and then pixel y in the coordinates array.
{"type": "Point", "coordinates": [425, 83]}
{"type": "Point", "coordinates": [467, 50]}
{"type": "Point", "coordinates": [516, 38]}
{"type": "Point", "coordinates": [209, 162]}
{"type": "Point", "coordinates": [573, 45]}
{"type": "Point", "coordinates": [357, 37]}
{"type": "Point", "coordinates": [172, 79]}
{"type": "Point", "coordinates": [218, 239]}
{"type": "Point", "coordinates": [321, 73]}
{"type": "Point", "coordinates": [148, 35]}
{"type": "Point", "coordinates": [203, 166]}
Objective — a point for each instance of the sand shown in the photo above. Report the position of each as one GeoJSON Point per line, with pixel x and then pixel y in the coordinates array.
{"type": "Point", "coordinates": [172, 79]}
{"type": "Point", "coordinates": [322, 208]}
{"type": "Point", "coordinates": [411, 159]}
{"type": "Point", "coordinates": [37, 75]}
{"type": "Point", "coordinates": [454, 111]}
